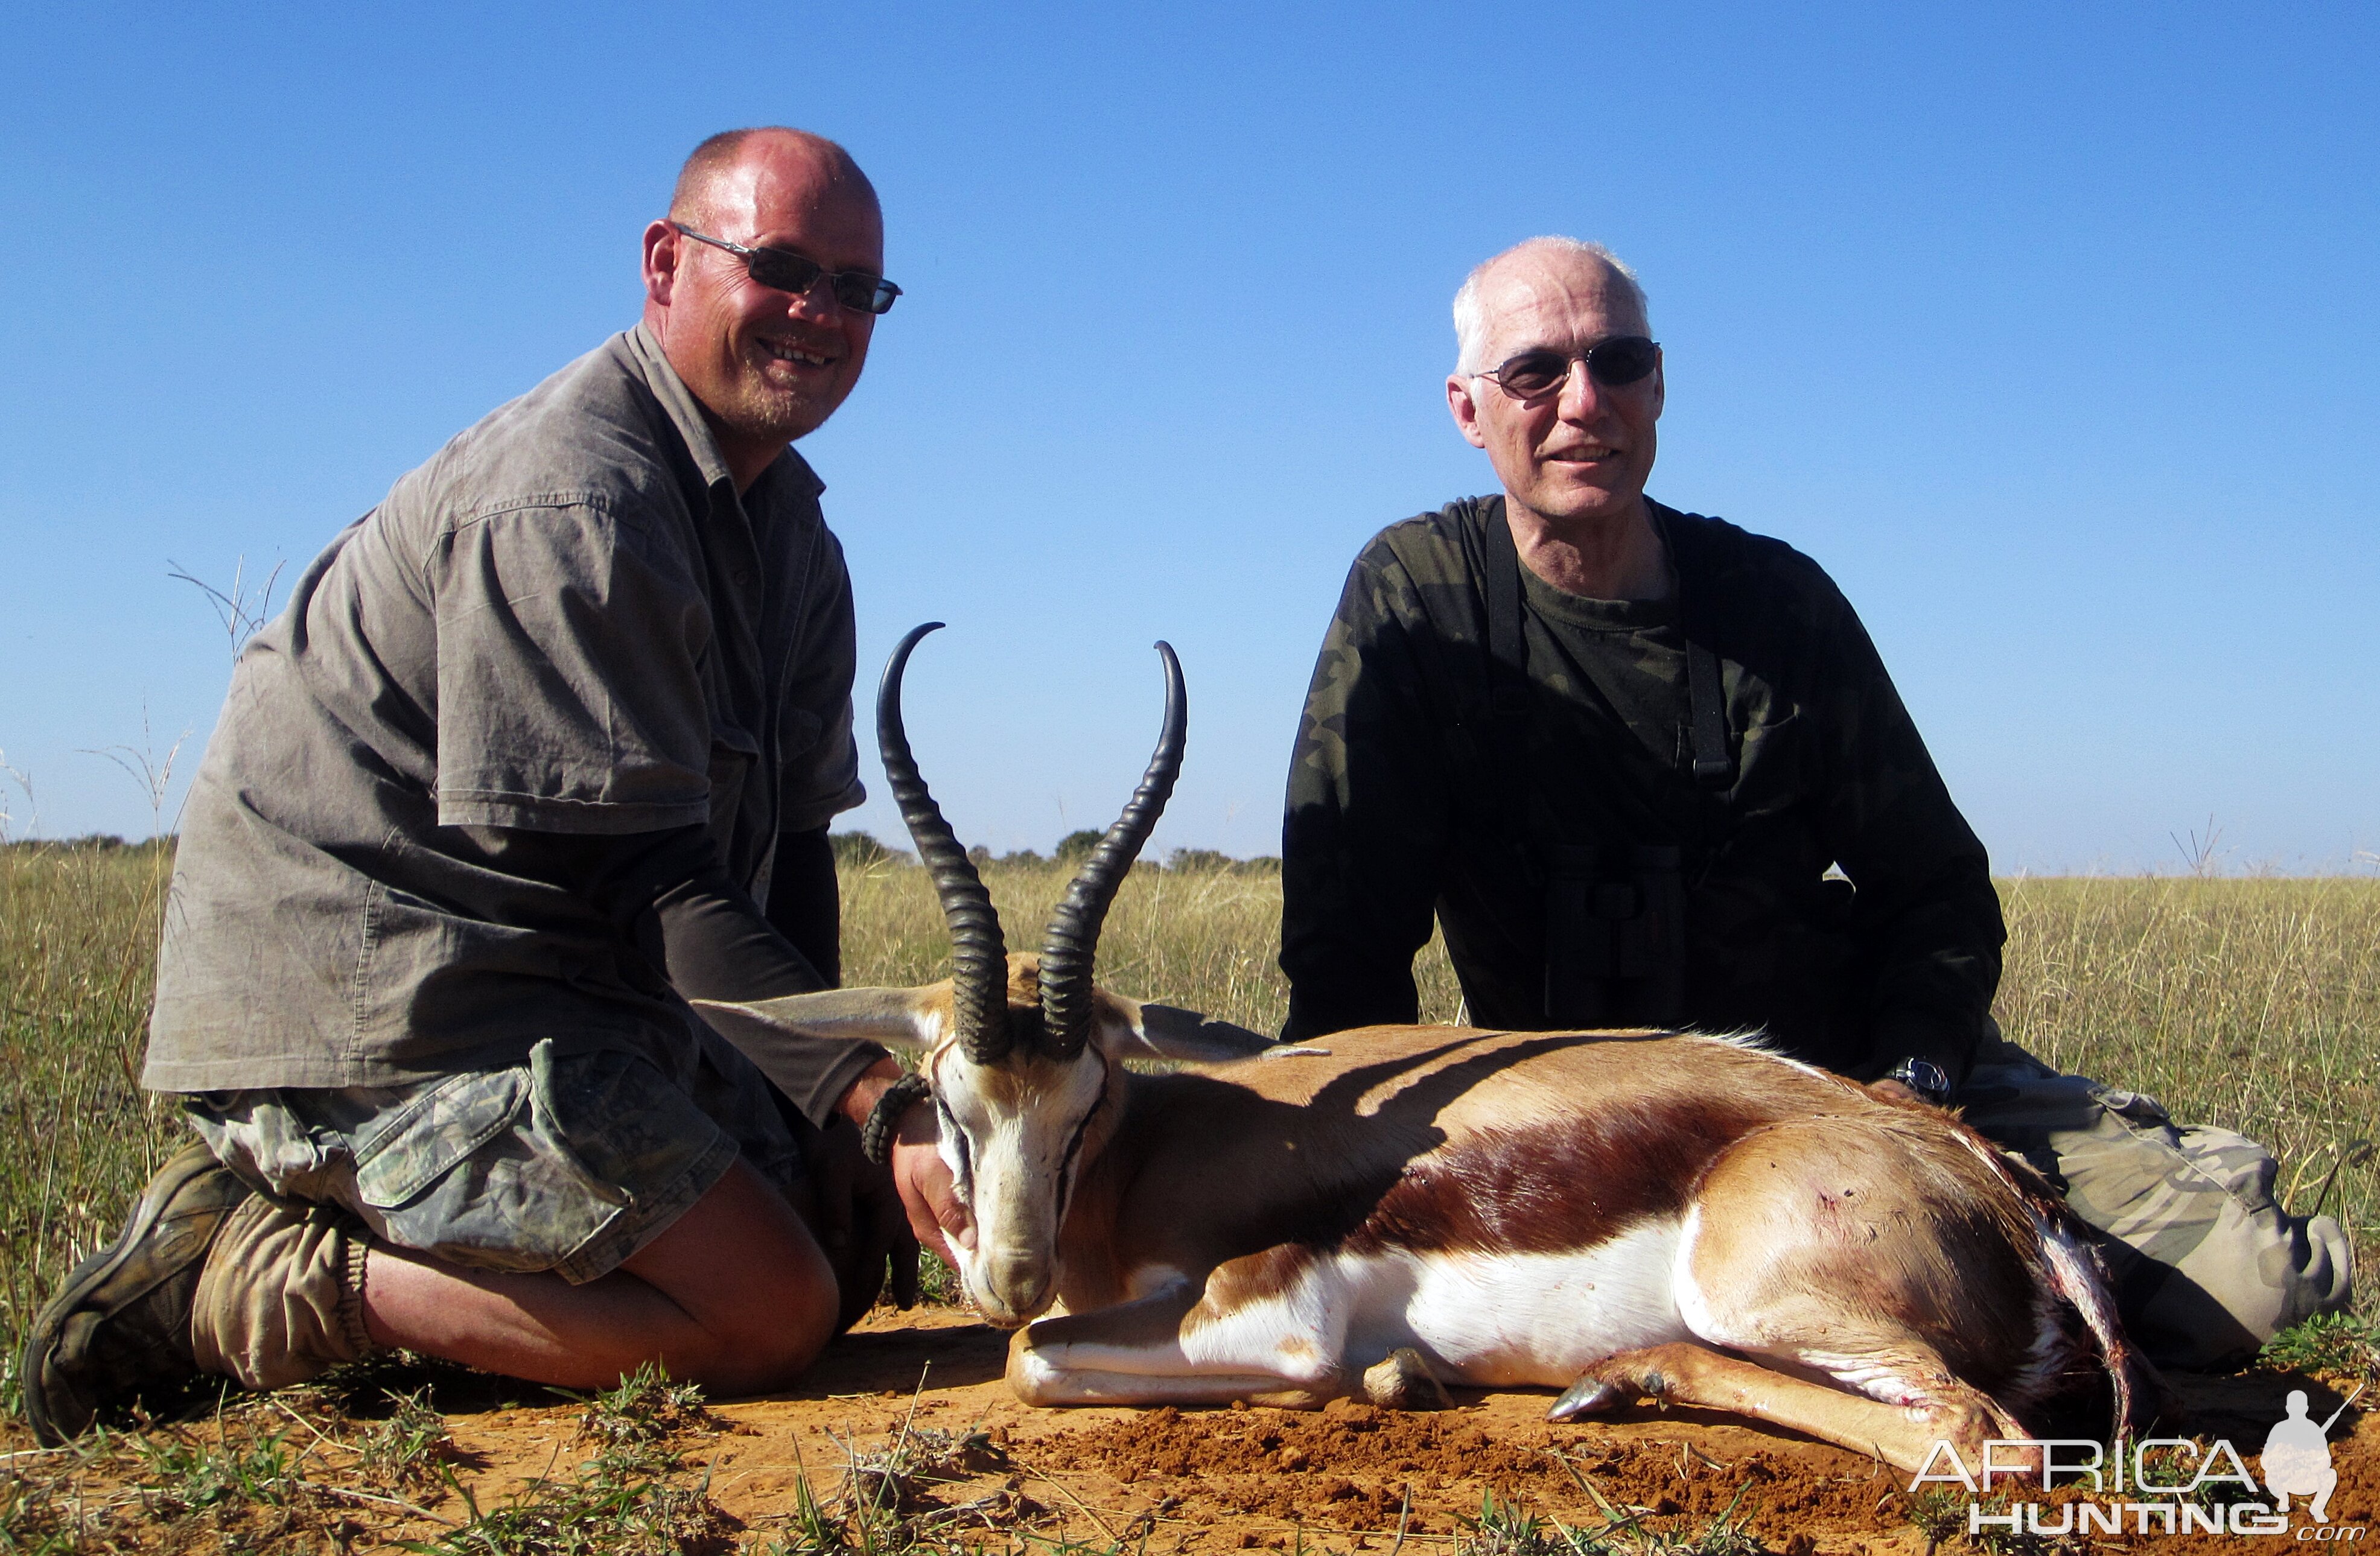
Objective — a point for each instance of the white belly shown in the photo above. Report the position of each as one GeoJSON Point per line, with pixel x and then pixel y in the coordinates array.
{"type": "Point", "coordinates": [1498, 1319]}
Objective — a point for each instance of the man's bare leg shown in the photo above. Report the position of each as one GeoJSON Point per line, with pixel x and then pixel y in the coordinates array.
{"type": "Point", "coordinates": [734, 1296]}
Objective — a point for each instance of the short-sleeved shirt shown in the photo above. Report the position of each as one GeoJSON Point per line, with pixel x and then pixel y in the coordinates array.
{"type": "Point", "coordinates": [566, 622]}
{"type": "Point", "coordinates": [1408, 799]}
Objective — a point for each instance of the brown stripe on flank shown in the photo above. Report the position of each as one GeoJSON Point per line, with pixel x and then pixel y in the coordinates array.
{"type": "Point", "coordinates": [1552, 1188]}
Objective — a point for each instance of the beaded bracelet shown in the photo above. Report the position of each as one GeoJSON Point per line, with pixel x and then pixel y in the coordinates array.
{"type": "Point", "coordinates": [884, 1118]}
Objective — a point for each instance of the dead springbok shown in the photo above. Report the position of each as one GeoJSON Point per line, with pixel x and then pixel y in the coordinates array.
{"type": "Point", "coordinates": [1688, 1216]}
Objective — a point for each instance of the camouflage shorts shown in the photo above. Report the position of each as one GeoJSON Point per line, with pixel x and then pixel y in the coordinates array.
{"type": "Point", "coordinates": [2206, 1265]}
{"type": "Point", "coordinates": [568, 1163]}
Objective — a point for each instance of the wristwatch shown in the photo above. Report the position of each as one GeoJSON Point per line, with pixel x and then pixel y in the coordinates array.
{"type": "Point", "coordinates": [1927, 1078]}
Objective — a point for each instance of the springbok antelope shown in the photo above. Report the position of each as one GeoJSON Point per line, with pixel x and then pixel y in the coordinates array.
{"type": "Point", "coordinates": [1614, 1212]}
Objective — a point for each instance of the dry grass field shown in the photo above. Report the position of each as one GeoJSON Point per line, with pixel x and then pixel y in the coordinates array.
{"type": "Point", "coordinates": [2250, 1003]}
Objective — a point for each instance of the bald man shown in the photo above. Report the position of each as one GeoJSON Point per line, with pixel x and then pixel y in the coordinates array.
{"type": "Point", "coordinates": [1644, 769]}
{"type": "Point", "coordinates": [542, 746]}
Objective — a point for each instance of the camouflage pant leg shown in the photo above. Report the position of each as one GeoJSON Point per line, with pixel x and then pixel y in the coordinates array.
{"type": "Point", "coordinates": [2206, 1266]}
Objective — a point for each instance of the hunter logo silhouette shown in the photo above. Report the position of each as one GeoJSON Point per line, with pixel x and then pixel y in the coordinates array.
{"type": "Point", "coordinates": [2297, 1457]}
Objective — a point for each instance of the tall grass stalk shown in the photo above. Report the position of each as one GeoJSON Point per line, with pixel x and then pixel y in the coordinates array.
{"type": "Point", "coordinates": [2251, 1005]}
{"type": "Point", "coordinates": [78, 938]}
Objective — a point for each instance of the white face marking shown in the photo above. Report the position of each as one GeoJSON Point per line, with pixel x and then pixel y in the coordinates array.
{"type": "Point", "coordinates": [1008, 1130]}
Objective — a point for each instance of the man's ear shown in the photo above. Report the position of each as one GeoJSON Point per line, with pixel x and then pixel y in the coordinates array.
{"type": "Point", "coordinates": [663, 250]}
{"type": "Point", "coordinates": [1464, 408]}
{"type": "Point", "coordinates": [1134, 1030]}
{"type": "Point", "coordinates": [908, 1018]}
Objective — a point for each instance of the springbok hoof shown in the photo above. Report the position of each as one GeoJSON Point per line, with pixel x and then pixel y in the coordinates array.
{"type": "Point", "coordinates": [1404, 1382]}
{"type": "Point", "coordinates": [1588, 1396]}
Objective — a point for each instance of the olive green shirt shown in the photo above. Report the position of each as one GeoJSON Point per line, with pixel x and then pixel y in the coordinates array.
{"type": "Point", "coordinates": [1404, 789]}
{"type": "Point", "coordinates": [567, 623]}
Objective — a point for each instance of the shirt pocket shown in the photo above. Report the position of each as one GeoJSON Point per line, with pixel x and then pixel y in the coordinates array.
{"type": "Point", "coordinates": [408, 1152]}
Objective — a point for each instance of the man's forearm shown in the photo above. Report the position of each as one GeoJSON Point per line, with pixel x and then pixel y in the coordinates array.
{"type": "Point", "coordinates": [1937, 953]}
{"type": "Point", "coordinates": [805, 901]}
{"type": "Point", "coordinates": [714, 943]}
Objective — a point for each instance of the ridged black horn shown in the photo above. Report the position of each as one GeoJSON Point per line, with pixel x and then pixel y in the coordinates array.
{"type": "Point", "coordinates": [978, 955]}
{"type": "Point", "coordinates": [1074, 937]}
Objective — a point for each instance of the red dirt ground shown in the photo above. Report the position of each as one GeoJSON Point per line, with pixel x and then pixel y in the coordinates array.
{"type": "Point", "coordinates": [1339, 1479]}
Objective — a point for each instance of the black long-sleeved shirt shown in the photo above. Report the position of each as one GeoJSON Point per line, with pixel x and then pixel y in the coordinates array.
{"type": "Point", "coordinates": [1408, 800]}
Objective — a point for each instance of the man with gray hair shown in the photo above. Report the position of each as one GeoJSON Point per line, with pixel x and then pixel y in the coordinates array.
{"type": "Point", "coordinates": [1646, 769]}
{"type": "Point", "coordinates": [541, 748]}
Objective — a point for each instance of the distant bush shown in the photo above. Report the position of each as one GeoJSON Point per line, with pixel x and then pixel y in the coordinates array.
{"type": "Point", "coordinates": [859, 850]}
{"type": "Point", "coordinates": [1197, 861]}
{"type": "Point", "coordinates": [1076, 846]}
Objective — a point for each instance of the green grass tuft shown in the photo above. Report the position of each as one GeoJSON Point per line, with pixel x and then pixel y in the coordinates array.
{"type": "Point", "coordinates": [2331, 1344]}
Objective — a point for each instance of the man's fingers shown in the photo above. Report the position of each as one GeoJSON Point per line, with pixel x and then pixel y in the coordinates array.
{"type": "Point", "coordinates": [928, 1193]}
{"type": "Point", "coordinates": [926, 1226]}
{"type": "Point", "coordinates": [929, 1198]}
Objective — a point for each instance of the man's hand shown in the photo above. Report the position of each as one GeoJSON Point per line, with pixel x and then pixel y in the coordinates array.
{"type": "Point", "coordinates": [926, 1192]}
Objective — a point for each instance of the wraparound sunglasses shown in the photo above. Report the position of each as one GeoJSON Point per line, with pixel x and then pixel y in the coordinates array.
{"type": "Point", "coordinates": [1621, 359]}
{"type": "Point", "coordinates": [782, 269]}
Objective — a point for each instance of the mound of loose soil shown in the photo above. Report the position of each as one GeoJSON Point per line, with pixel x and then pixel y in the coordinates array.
{"type": "Point", "coordinates": [1354, 1467]}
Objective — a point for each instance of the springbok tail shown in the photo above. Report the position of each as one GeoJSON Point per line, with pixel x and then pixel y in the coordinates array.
{"type": "Point", "coordinates": [2079, 1276]}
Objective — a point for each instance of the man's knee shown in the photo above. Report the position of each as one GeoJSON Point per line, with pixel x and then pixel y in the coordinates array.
{"type": "Point", "coordinates": [2254, 1273]}
{"type": "Point", "coordinates": [2206, 1264]}
{"type": "Point", "coordinates": [745, 1270]}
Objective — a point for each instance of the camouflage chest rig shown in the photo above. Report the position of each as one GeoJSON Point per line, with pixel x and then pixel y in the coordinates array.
{"type": "Point", "coordinates": [1613, 911]}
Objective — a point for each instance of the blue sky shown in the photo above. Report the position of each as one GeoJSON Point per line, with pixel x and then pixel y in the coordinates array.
{"type": "Point", "coordinates": [2048, 329]}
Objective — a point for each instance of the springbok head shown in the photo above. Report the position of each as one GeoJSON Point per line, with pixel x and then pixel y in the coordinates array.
{"type": "Point", "coordinates": [1024, 1055]}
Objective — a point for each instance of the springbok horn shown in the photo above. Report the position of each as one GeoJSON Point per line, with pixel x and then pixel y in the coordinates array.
{"type": "Point", "coordinates": [1073, 936]}
{"type": "Point", "coordinates": [978, 956]}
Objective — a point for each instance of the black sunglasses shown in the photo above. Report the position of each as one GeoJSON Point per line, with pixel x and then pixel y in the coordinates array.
{"type": "Point", "coordinates": [782, 269]}
{"type": "Point", "coordinates": [1620, 360]}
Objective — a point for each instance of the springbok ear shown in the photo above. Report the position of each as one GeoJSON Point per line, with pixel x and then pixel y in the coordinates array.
{"type": "Point", "coordinates": [908, 1018]}
{"type": "Point", "coordinates": [1168, 1032]}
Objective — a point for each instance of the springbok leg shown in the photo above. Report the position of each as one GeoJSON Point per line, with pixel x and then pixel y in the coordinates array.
{"type": "Point", "coordinates": [1183, 1346]}
{"type": "Point", "coordinates": [1686, 1373]}
{"type": "Point", "coordinates": [1852, 1249]}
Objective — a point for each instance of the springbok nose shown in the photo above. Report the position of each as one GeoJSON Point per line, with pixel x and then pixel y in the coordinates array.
{"type": "Point", "coordinates": [1019, 1280]}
